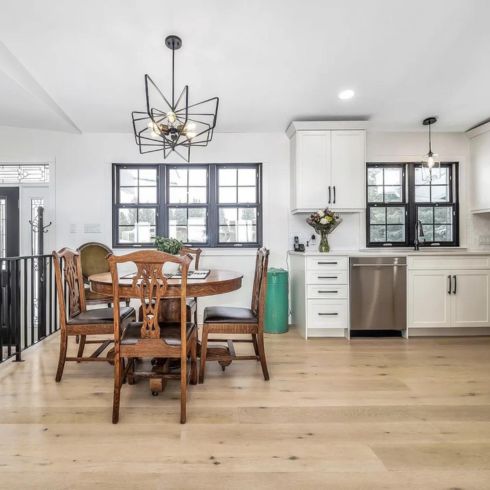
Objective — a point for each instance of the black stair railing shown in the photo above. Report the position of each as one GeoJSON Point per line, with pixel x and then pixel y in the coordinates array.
{"type": "Point", "coordinates": [28, 305]}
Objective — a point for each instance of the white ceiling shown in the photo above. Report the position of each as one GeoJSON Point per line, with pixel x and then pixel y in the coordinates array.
{"type": "Point", "coordinates": [269, 61]}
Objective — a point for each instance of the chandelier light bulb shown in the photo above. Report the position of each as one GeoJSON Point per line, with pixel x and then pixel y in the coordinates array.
{"type": "Point", "coordinates": [171, 117]}
{"type": "Point", "coordinates": [190, 134]}
{"type": "Point", "coordinates": [430, 161]}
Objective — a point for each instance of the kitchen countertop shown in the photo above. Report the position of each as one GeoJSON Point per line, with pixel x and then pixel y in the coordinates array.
{"type": "Point", "coordinates": [404, 252]}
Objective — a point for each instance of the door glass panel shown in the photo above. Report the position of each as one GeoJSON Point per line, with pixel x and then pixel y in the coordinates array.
{"type": "Point", "coordinates": [3, 227]}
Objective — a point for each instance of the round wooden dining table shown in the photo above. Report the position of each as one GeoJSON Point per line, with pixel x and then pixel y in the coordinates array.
{"type": "Point", "coordinates": [217, 282]}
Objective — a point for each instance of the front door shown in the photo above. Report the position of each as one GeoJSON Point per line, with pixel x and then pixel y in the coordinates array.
{"type": "Point", "coordinates": [9, 221]}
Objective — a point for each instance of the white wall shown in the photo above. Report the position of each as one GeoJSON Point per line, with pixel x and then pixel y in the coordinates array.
{"type": "Point", "coordinates": [83, 186]}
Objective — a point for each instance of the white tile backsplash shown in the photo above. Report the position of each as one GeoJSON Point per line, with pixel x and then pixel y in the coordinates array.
{"type": "Point", "coordinates": [349, 235]}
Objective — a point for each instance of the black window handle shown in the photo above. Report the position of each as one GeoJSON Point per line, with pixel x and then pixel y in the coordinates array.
{"type": "Point", "coordinates": [329, 195]}
{"type": "Point", "coordinates": [327, 314]}
{"type": "Point", "coordinates": [448, 284]}
{"type": "Point", "coordinates": [334, 195]}
{"type": "Point", "coordinates": [455, 284]}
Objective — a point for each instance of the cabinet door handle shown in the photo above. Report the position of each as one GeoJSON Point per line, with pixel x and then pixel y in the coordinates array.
{"type": "Point", "coordinates": [455, 284]}
{"type": "Point", "coordinates": [448, 284]}
{"type": "Point", "coordinates": [327, 314]}
{"type": "Point", "coordinates": [327, 263]}
{"type": "Point", "coordinates": [329, 194]}
{"type": "Point", "coordinates": [324, 292]}
{"type": "Point", "coordinates": [334, 195]}
{"type": "Point", "coordinates": [327, 277]}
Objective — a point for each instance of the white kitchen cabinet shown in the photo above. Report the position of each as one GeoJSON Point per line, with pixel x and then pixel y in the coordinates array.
{"type": "Point", "coordinates": [327, 166]}
{"type": "Point", "coordinates": [312, 170]}
{"type": "Point", "coordinates": [320, 294]}
{"type": "Point", "coordinates": [428, 299]}
{"type": "Point", "coordinates": [348, 169]}
{"type": "Point", "coordinates": [470, 298]}
{"type": "Point", "coordinates": [445, 295]}
{"type": "Point", "coordinates": [480, 168]}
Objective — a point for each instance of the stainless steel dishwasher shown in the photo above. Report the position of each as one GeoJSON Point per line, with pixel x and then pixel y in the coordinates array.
{"type": "Point", "coordinates": [378, 293]}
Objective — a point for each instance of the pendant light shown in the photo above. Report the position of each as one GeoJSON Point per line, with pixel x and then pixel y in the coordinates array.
{"type": "Point", "coordinates": [173, 125]}
{"type": "Point", "coordinates": [430, 164]}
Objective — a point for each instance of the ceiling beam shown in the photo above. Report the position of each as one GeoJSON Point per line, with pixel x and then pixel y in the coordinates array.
{"type": "Point", "coordinates": [15, 70]}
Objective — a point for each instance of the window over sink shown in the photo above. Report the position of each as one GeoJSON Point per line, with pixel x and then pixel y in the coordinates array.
{"type": "Point", "coordinates": [205, 205]}
{"type": "Point", "coordinates": [399, 195]}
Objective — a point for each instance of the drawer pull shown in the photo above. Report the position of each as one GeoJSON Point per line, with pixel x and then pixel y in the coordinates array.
{"type": "Point", "coordinates": [332, 292]}
{"type": "Point", "coordinates": [327, 314]}
{"type": "Point", "coordinates": [327, 277]}
{"type": "Point", "coordinates": [327, 263]}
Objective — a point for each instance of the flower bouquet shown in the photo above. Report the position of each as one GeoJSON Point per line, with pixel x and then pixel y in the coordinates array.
{"type": "Point", "coordinates": [324, 222]}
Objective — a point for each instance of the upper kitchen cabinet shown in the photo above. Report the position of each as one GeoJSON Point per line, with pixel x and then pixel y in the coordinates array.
{"type": "Point", "coordinates": [327, 165]}
{"type": "Point", "coordinates": [480, 168]}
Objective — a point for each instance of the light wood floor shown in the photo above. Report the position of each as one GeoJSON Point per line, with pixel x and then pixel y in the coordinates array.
{"type": "Point", "coordinates": [365, 414]}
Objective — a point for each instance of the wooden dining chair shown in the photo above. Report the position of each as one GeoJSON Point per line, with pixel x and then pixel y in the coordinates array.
{"type": "Point", "coordinates": [93, 259]}
{"type": "Point", "coordinates": [146, 338]}
{"type": "Point", "coordinates": [75, 319]}
{"type": "Point", "coordinates": [192, 302]}
{"type": "Point", "coordinates": [233, 320]}
{"type": "Point", "coordinates": [170, 308]}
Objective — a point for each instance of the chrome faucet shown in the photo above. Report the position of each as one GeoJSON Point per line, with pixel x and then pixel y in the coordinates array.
{"type": "Point", "coordinates": [419, 232]}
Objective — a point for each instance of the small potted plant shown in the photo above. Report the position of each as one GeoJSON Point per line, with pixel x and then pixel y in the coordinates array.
{"type": "Point", "coordinates": [168, 245]}
{"type": "Point", "coordinates": [324, 222]}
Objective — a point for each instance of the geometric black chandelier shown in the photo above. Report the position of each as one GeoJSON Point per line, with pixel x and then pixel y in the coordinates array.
{"type": "Point", "coordinates": [173, 125]}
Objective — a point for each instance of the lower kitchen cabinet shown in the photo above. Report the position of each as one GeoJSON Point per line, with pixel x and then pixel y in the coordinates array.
{"type": "Point", "coordinates": [429, 300]}
{"type": "Point", "coordinates": [320, 294]}
{"type": "Point", "coordinates": [451, 298]}
{"type": "Point", "coordinates": [470, 299]}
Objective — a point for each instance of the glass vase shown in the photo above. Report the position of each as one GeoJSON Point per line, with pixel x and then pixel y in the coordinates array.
{"type": "Point", "coordinates": [323, 246]}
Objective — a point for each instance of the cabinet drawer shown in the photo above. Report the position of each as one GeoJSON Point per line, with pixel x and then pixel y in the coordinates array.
{"type": "Point", "coordinates": [443, 262]}
{"type": "Point", "coordinates": [327, 292]}
{"type": "Point", "coordinates": [327, 263]}
{"type": "Point", "coordinates": [326, 277]}
{"type": "Point", "coordinates": [328, 314]}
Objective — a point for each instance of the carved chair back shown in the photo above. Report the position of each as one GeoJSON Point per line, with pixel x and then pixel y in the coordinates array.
{"type": "Point", "coordinates": [195, 252]}
{"type": "Point", "coordinates": [149, 285]}
{"type": "Point", "coordinates": [69, 283]}
{"type": "Point", "coordinates": [260, 284]}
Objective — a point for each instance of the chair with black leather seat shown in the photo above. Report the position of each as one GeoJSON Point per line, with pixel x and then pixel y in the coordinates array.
{"type": "Point", "coordinates": [146, 338]}
{"type": "Point", "coordinates": [232, 320]}
{"type": "Point", "coordinates": [76, 320]}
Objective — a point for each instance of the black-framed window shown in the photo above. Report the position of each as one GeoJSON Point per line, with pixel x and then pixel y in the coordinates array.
{"type": "Point", "coordinates": [399, 195]}
{"type": "Point", "coordinates": [208, 205]}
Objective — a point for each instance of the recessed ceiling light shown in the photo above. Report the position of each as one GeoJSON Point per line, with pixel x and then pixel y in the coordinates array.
{"type": "Point", "coordinates": [346, 94]}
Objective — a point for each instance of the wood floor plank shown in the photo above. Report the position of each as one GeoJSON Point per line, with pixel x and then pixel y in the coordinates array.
{"type": "Point", "coordinates": [364, 414]}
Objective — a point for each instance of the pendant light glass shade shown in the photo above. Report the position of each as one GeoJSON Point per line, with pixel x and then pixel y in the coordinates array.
{"type": "Point", "coordinates": [431, 165]}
